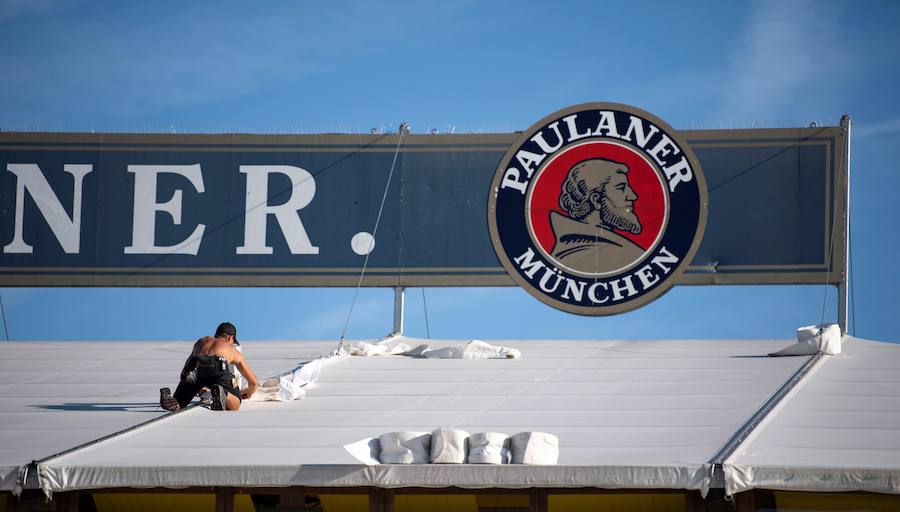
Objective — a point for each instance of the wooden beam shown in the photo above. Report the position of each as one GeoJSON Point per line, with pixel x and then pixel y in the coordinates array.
{"type": "Point", "coordinates": [381, 500]}
{"type": "Point", "coordinates": [224, 499]}
{"type": "Point", "coordinates": [745, 501]}
{"type": "Point", "coordinates": [693, 502]}
{"type": "Point", "coordinates": [538, 501]}
{"type": "Point", "coordinates": [12, 503]}
{"type": "Point", "coordinates": [66, 501]}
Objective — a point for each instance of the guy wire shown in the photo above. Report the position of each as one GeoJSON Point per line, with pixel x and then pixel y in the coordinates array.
{"type": "Point", "coordinates": [403, 129]}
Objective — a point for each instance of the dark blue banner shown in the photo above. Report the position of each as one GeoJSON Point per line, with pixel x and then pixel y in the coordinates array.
{"type": "Point", "coordinates": [243, 210]}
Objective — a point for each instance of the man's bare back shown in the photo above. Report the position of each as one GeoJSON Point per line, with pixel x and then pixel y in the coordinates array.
{"type": "Point", "coordinates": [208, 350]}
{"type": "Point", "coordinates": [210, 346]}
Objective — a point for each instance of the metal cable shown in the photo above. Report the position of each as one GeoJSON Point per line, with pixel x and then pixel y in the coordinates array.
{"type": "Point", "coordinates": [3, 311]}
{"type": "Point", "coordinates": [403, 128]}
{"type": "Point", "coordinates": [425, 309]}
{"type": "Point", "coordinates": [212, 229]}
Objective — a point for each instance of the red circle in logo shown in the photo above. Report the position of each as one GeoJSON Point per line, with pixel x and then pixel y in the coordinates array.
{"type": "Point", "coordinates": [650, 206]}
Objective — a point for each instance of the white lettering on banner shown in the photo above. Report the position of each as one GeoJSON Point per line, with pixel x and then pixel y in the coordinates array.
{"type": "Point", "coordinates": [542, 142]}
{"type": "Point", "coordinates": [678, 173]}
{"type": "Point", "coordinates": [607, 125]}
{"type": "Point", "coordinates": [143, 232]}
{"type": "Point", "coordinates": [573, 128]}
{"type": "Point", "coordinates": [257, 209]}
{"type": "Point", "coordinates": [66, 230]}
{"type": "Point", "coordinates": [610, 291]}
{"type": "Point", "coordinates": [663, 151]}
{"type": "Point", "coordinates": [511, 180]}
{"type": "Point", "coordinates": [636, 132]}
{"type": "Point", "coordinates": [528, 265]}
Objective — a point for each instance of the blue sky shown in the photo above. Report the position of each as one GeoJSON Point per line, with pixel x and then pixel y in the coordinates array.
{"type": "Point", "coordinates": [292, 67]}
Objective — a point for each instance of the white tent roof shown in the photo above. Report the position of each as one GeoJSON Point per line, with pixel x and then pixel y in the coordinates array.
{"type": "Point", "coordinates": [58, 395]}
{"type": "Point", "coordinates": [839, 430]}
{"type": "Point", "coordinates": [629, 414]}
{"type": "Point", "coordinates": [638, 414]}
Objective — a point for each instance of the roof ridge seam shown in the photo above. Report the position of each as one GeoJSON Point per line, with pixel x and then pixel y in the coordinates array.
{"type": "Point", "coordinates": [35, 466]}
{"type": "Point", "coordinates": [750, 428]}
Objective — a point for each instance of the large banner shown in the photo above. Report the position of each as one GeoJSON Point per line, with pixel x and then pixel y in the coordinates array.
{"type": "Point", "coordinates": [266, 210]}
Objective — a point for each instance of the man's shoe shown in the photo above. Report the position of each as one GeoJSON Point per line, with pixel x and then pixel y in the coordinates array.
{"type": "Point", "coordinates": [166, 401]}
{"type": "Point", "coordinates": [218, 398]}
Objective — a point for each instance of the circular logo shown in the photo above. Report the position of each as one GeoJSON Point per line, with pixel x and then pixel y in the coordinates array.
{"type": "Point", "coordinates": [597, 208]}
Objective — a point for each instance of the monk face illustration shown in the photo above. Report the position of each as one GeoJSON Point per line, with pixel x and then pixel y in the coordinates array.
{"type": "Point", "coordinates": [617, 203]}
{"type": "Point", "coordinates": [597, 199]}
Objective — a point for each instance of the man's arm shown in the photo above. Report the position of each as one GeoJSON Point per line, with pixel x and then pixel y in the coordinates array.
{"type": "Point", "coordinates": [248, 374]}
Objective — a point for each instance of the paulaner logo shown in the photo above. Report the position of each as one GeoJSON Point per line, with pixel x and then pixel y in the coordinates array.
{"type": "Point", "coordinates": [596, 208]}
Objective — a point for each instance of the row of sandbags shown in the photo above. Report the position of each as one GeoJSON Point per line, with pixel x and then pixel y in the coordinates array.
{"type": "Point", "coordinates": [459, 447]}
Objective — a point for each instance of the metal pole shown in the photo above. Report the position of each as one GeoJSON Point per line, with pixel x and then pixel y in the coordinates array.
{"type": "Point", "coordinates": [843, 298]}
{"type": "Point", "coordinates": [399, 298]}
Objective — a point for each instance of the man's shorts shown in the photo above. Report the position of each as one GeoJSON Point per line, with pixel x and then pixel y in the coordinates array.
{"type": "Point", "coordinates": [210, 371]}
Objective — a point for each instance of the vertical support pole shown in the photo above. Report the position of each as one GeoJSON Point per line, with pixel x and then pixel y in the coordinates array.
{"type": "Point", "coordinates": [693, 502]}
{"type": "Point", "coordinates": [399, 299]}
{"type": "Point", "coordinates": [745, 501]}
{"type": "Point", "coordinates": [224, 499]}
{"type": "Point", "coordinates": [66, 501]}
{"type": "Point", "coordinates": [843, 298]}
{"type": "Point", "coordinates": [13, 504]}
{"type": "Point", "coordinates": [538, 501]}
{"type": "Point", "coordinates": [381, 500]}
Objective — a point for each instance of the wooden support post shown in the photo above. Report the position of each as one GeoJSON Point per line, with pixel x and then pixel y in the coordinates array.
{"type": "Point", "coordinates": [693, 502]}
{"type": "Point", "coordinates": [745, 501]}
{"type": "Point", "coordinates": [538, 501]}
{"type": "Point", "coordinates": [381, 500]}
{"type": "Point", "coordinates": [12, 503]}
{"type": "Point", "coordinates": [224, 499]}
{"type": "Point", "coordinates": [66, 501]}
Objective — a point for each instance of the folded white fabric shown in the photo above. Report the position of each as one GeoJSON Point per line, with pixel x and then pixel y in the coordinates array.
{"type": "Point", "coordinates": [405, 447]}
{"type": "Point", "coordinates": [814, 339]}
{"type": "Point", "coordinates": [291, 386]}
{"type": "Point", "coordinates": [393, 346]}
{"type": "Point", "coordinates": [280, 389]}
{"type": "Point", "coordinates": [475, 349]}
{"type": "Point", "coordinates": [538, 448]}
{"type": "Point", "coordinates": [489, 448]}
{"type": "Point", "coordinates": [365, 349]}
{"type": "Point", "coordinates": [448, 446]}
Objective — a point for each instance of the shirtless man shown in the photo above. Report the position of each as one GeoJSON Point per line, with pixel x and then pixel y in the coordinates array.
{"type": "Point", "coordinates": [210, 366]}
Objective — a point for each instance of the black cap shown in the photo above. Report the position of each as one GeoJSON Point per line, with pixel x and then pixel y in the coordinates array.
{"type": "Point", "coordinates": [227, 328]}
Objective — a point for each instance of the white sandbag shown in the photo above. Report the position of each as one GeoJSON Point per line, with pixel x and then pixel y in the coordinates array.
{"type": "Point", "coordinates": [538, 448]}
{"type": "Point", "coordinates": [489, 448]}
{"type": "Point", "coordinates": [829, 339]}
{"type": "Point", "coordinates": [365, 450]}
{"type": "Point", "coordinates": [449, 446]}
{"type": "Point", "coordinates": [813, 339]}
{"type": "Point", "coordinates": [405, 448]}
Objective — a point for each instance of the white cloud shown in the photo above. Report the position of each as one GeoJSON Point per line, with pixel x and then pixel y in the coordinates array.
{"type": "Point", "coordinates": [790, 57]}
{"type": "Point", "coordinates": [862, 130]}
{"type": "Point", "coordinates": [137, 60]}
{"type": "Point", "coordinates": [15, 9]}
